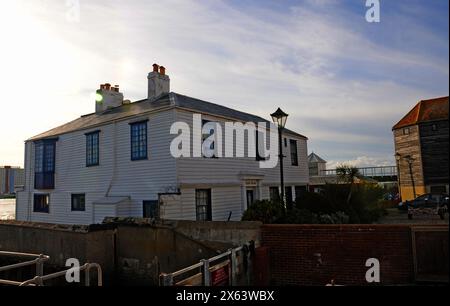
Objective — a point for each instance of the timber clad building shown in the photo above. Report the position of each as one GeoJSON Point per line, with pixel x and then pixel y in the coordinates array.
{"type": "Point", "coordinates": [422, 146]}
{"type": "Point", "coordinates": [117, 162]}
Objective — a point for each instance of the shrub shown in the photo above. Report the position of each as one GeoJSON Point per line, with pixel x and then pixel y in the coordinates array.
{"type": "Point", "coordinates": [265, 211]}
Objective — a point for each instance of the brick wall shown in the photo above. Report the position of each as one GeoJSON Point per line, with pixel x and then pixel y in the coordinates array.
{"type": "Point", "coordinates": [343, 250]}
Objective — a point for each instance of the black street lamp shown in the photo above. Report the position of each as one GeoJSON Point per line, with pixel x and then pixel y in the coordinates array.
{"type": "Point", "coordinates": [410, 161]}
{"type": "Point", "coordinates": [279, 118]}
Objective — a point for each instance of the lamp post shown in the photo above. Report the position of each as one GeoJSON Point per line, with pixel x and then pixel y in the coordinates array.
{"type": "Point", "coordinates": [398, 156]}
{"type": "Point", "coordinates": [279, 118]}
{"type": "Point", "coordinates": [410, 161]}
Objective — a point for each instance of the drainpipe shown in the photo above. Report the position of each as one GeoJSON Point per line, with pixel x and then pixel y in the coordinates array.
{"type": "Point", "coordinates": [113, 177]}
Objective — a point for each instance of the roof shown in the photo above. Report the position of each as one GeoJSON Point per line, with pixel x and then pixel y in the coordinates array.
{"type": "Point", "coordinates": [314, 158]}
{"type": "Point", "coordinates": [143, 106]}
{"type": "Point", "coordinates": [424, 111]}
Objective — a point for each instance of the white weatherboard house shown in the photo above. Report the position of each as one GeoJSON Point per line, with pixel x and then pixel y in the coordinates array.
{"type": "Point", "coordinates": [117, 162]}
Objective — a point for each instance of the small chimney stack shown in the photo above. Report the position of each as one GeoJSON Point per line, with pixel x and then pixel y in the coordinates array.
{"type": "Point", "coordinates": [158, 82]}
{"type": "Point", "coordinates": [107, 97]}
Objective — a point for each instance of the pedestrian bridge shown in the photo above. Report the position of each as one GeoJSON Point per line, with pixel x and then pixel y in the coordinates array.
{"type": "Point", "coordinates": [381, 174]}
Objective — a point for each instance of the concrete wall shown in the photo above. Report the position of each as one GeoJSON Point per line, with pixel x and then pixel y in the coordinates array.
{"type": "Point", "coordinates": [145, 252]}
{"type": "Point", "coordinates": [129, 254]}
{"type": "Point", "coordinates": [233, 233]}
{"type": "Point", "coordinates": [60, 243]}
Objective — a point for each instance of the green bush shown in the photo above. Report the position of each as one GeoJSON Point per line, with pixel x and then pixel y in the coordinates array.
{"type": "Point", "coordinates": [331, 206]}
{"type": "Point", "coordinates": [265, 211]}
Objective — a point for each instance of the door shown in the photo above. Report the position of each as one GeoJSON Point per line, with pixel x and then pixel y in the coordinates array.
{"type": "Point", "coordinates": [150, 209]}
{"type": "Point", "coordinates": [250, 197]}
{"type": "Point", "coordinates": [288, 195]}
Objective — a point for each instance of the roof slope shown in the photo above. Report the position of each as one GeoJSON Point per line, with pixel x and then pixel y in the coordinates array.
{"type": "Point", "coordinates": [143, 106]}
{"type": "Point", "coordinates": [425, 110]}
{"type": "Point", "coordinates": [314, 158]}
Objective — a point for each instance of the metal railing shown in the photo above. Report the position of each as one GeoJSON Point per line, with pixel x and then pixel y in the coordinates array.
{"type": "Point", "coordinates": [38, 260]}
{"type": "Point", "coordinates": [368, 171]}
{"type": "Point", "coordinates": [233, 258]}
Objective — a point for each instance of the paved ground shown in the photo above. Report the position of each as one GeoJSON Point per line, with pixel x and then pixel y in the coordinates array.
{"type": "Point", "coordinates": [396, 216]}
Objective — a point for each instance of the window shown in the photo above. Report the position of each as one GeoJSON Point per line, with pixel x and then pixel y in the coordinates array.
{"type": "Point", "coordinates": [138, 140]}
{"type": "Point", "coordinates": [406, 131]}
{"type": "Point", "coordinates": [44, 164]}
{"type": "Point", "coordinates": [300, 191]}
{"type": "Point", "coordinates": [92, 150]}
{"type": "Point", "coordinates": [78, 202]}
{"type": "Point", "coordinates": [285, 142]}
{"type": "Point", "coordinates": [294, 155]}
{"type": "Point", "coordinates": [205, 136]}
{"type": "Point", "coordinates": [434, 127]}
{"type": "Point", "coordinates": [41, 203]}
{"type": "Point", "coordinates": [260, 145]}
{"type": "Point", "coordinates": [150, 209]}
{"type": "Point", "coordinates": [203, 204]}
{"type": "Point", "coordinates": [274, 194]}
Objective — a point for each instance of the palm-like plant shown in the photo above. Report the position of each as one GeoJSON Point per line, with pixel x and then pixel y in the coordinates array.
{"type": "Point", "coordinates": [347, 175]}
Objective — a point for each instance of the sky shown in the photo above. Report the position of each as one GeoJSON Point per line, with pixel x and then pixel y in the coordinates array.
{"type": "Point", "coordinates": [343, 81]}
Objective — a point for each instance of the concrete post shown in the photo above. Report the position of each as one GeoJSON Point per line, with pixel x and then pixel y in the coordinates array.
{"type": "Point", "coordinates": [205, 272]}
{"type": "Point", "coordinates": [234, 265]}
{"type": "Point", "coordinates": [166, 279]}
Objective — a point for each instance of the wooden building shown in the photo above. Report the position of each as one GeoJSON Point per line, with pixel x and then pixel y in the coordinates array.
{"type": "Point", "coordinates": [421, 148]}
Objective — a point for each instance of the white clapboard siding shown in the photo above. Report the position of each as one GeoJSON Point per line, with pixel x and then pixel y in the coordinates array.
{"type": "Point", "coordinates": [140, 180]}
{"type": "Point", "coordinates": [226, 170]}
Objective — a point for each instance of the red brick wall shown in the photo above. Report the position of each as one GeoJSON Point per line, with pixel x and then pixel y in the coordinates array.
{"type": "Point", "coordinates": [344, 250]}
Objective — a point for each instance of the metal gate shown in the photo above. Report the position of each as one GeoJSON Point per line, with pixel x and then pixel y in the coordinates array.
{"type": "Point", "coordinates": [231, 268]}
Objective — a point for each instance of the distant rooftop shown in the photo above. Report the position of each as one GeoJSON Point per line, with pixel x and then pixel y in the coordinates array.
{"type": "Point", "coordinates": [424, 111]}
{"type": "Point", "coordinates": [314, 158]}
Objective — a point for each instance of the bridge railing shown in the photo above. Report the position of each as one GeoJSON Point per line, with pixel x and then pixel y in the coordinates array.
{"type": "Point", "coordinates": [382, 171]}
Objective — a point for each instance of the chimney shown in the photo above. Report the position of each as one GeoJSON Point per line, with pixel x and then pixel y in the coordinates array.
{"type": "Point", "coordinates": [107, 97]}
{"type": "Point", "coordinates": [158, 82]}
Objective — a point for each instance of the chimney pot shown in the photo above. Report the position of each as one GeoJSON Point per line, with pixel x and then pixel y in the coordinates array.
{"type": "Point", "coordinates": [162, 70]}
{"type": "Point", "coordinates": [107, 86]}
{"type": "Point", "coordinates": [155, 67]}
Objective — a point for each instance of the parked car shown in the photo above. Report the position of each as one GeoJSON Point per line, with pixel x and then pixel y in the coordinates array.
{"type": "Point", "coordinates": [430, 203]}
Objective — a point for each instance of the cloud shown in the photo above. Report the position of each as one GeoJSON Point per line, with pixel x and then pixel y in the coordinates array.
{"type": "Point", "coordinates": [363, 161]}
{"type": "Point", "coordinates": [340, 79]}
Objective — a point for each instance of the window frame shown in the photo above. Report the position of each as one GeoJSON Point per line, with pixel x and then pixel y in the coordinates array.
{"type": "Point", "coordinates": [133, 141]}
{"type": "Point", "coordinates": [75, 195]}
{"type": "Point", "coordinates": [294, 161]}
{"type": "Point", "coordinates": [45, 163]}
{"type": "Point", "coordinates": [41, 210]}
{"type": "Point", "coordinates": [90, 162]}
{"type": "Point", "coordinates": [406, 131]}
{"type": "Point", "coordinates": [208, 212]}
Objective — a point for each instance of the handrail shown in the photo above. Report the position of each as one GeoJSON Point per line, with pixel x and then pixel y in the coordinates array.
{"type": "Point", "coordinates": [204, 264]}
{"type": "Point", "coordinates": [39, 279]}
